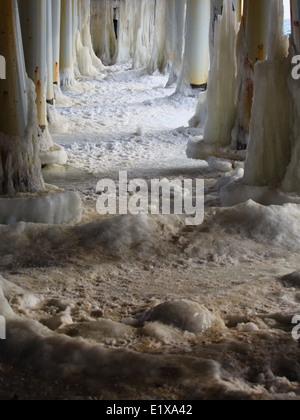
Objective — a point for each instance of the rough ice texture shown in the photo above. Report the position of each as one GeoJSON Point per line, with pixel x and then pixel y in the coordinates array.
{"type": "Point", "coordinates": [198, 149]}
{"type": "Point", "coordinates": [88, 55]}
{"type": "Point", "coordinates": [135, 31]}
{"type": "Point", "coordinates": [54, 207]}
{"type": "Point", "coordinates": [67, 77]}
{"type": "Point", "coordinates": [269, 149]}
{"type": "Point", "coordinates": [269, 146]}
{"type": "Point", "coordinates": [244, 93]}
{"type": "Point", "coordinates": [56, 155]}
{"type": "Point", "coordinates": [20, 167]}
{"type": "Point", "coordinates": [160, 35]}
{"type": "Point", "coordinates": [179, 28]}
{"type": "Point", "coordinates": [102, 30]}
{"type": "Point", "coordinates": [291, 182]}
{"type": "Point", "coordinates": [221, 104]}
{"type": "Point", "coordinates": [234, 191]}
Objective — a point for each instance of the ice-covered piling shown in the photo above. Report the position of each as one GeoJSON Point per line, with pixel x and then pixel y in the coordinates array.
{"type": "Point", "coordinates": [179, 26]}
{"type": "Point", "coordinates": [19, 149]}
{"type": "Point", "coordinates": [21, 184]}
{"type": "Point", "coordinates": [269, 149]}
{"type": "Point", "coordinates": [67, 76]}
{"type": "Point", "coordinates": [221, 105]}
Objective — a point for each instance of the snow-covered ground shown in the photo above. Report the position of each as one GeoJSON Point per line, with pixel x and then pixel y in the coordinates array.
{"type": "Point", "coordinates": [139, 306]}
{"type": "Point", "coordinates": [126, 119]}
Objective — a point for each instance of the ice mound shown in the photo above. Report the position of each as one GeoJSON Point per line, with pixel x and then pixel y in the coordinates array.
{"type": "Point", "coordinates": [141, 233]}
{"type": "Point", "coordinates": [234, 191]}
{"type": "Point", "coordinates": [184, 315]}
{"type": "Point", "coordinates": [56, 155]}
{"type": "Point", "coordinates": [220, 165]}
{"type": "Point", "coordinates": [276, 225]}
{"type": "Point", "coordinates": [18, 296]}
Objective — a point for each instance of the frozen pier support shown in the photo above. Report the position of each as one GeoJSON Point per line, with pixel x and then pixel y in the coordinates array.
{"type": "Point", "coordinates": [23, 196]}
{"type": "Point", "coordinates": [197, 41]}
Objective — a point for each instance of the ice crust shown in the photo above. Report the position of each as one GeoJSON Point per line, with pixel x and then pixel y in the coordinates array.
{"type": "Point", "coordinates": [48, 208]}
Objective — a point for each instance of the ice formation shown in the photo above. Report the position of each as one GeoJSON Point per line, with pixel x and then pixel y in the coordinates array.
{"type": "Point", "coordinates": [222, 77]}
{"type": "Point", "coordinates": [216, 109]}
{"type": "Point", "coordinates": [102, 29]}
{"type": "Point", "coordinates": [135, 31]}
{"type": "Point", "coordinates": [158, 54]}
{"type": "Point", "coordinates": [20, 163]}
{"type": "Point", "coordinates": [269, 149]}
{"type": "Point", "coordinates": [84, 32]}
{"type": "Point", "coordinates": [291, 182]}
{"type": "Point", "coordinates": [179, 27]}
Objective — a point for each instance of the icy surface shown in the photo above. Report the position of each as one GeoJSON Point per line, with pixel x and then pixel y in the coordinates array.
{"type": "Point", "coordinates": [135, 128]}
{"type": "Point", "coordinates": [106, 286]}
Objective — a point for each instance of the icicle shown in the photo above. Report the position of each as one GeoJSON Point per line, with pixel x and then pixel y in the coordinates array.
{"type": "Point", "coordinates": [160, 33]}
{"type": "Point", "coordinates": [222, 77]}
{"type": "Point", "coordinates": [180, 15]}
{"type": "Point", "coordinates": [85, 32]}
{"type": "Point", "coordinates": [142, 41]}
{"type": "Point", "coordinates": [170, 37]}
{"type": "Point", "coordinates": [252, 47]}
{"type": "Point", "coordinates": [269, 147]}
{"type": "Point", "coordinates": [102, 29]}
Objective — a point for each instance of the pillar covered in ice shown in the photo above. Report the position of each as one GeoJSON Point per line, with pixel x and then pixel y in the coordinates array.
{"type": "Point", "coordinates": [179, 27]}
{"type": "Point", "coordinates": [291, 182]}
{"type": "Point", "coordinates": [56, 16]}
{"type": "Point", "coordinates": [295, 17]}
{"type": "Point", "coordinates": [197, 41]}
{"type": "Point", "coordinates": [102, 29]}
{"type": "Point", "coordinates": [93, 63]}
{"type": "Point", "coordinates": [269, 148]}
{"type": "Point", "coordinates": [33, 21]}
{"type": "Point", "coordinates": [252, 46]}
{"type": "Point", "coordinates": [67, 43]}
{"type": "Point", "coordinates": [49, 53]}
{"type": "Point", "coordinates": [19, 149]}
{"type": "Point", "coordinates": [33, 15]}
{"type": "Point", "coordinates": [221, 104]}
{"type": "Point", "coordinates": [160, 32]}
